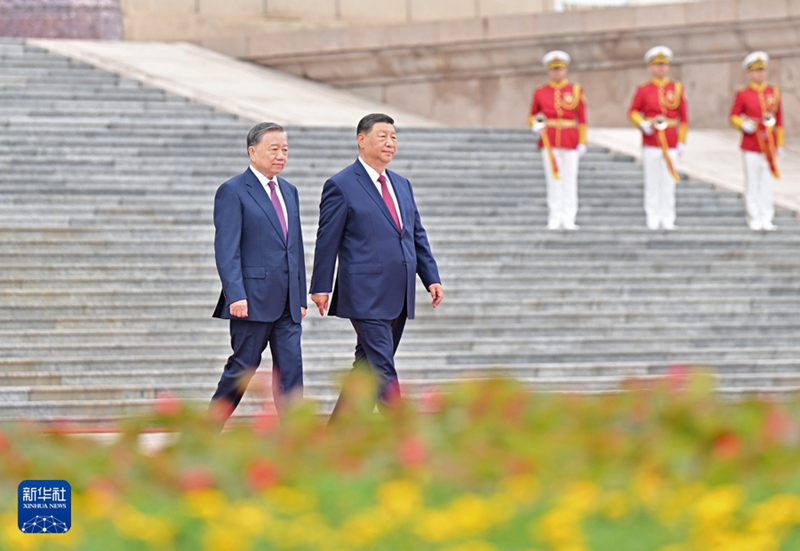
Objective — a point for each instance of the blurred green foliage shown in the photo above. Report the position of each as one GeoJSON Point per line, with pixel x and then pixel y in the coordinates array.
{"type": "Point", "coordinates": [484, 466]}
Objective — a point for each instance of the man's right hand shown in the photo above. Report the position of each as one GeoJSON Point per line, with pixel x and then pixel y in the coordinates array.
{"type": "Point", "coordinates": [239, 308]}
{"type": "Point", "coordinates": [321, 300]}
{"type": "Point", "coordinates": [646, 127]}
{"type": "Point", "coordinates": [748, 127]}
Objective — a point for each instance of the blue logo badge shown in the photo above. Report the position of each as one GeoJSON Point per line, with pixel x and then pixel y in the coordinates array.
{"type": "Point", "coordinates": [44, 506]}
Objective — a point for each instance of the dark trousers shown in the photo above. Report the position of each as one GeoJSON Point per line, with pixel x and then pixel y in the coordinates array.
{"type": "Point", "coordinates": [376, 344]}
{"type": "Point", "coordinates": [249, 339]}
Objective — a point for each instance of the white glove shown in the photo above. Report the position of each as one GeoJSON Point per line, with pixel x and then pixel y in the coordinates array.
{"type": "Point", "coordinates": [748, 127]}
{"type": "Point", "coordinates": [647, 128]}
{"type": "Point", "coordinates": [581, 150]}
{"type": "Point", "coordinates": [779, 152]}
{"type": "Point", "coordinates": [537, 132]}
{"type": "Point", "coordinates": [681, 149]}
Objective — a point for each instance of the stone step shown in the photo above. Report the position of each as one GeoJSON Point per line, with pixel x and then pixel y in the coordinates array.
{"type": "Point", "coordinates": [128, 358]}
{"type": "Point", "coordinates": [329, 390]}
{"type": "Point", "coordinates": [506, 350]}
{"type": "Point", "coordinates": [100, 413]}
{"type": "Point", "coordinates": [108, 279]}
{"type": "Point", "coordinates": [457, 290]}
{"type": "Point", "coordinates": [731, 373]}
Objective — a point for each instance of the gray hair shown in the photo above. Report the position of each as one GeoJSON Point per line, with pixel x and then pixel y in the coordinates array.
{"type": "Point", "coordinates": [258, 131]}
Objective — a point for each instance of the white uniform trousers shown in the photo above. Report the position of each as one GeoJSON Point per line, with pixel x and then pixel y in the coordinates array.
{"type": "Point", "coordinates": [562, 194]}
{"type": "Point", "coordinates": [759, 188]}
{"type": "Point", "coordinates": [659, 188]}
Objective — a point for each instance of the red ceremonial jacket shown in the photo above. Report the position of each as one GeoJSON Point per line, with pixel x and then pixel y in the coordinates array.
{"type": "Point", "coordinates": [661, 97]}
{"type": "Point", "coordinates": [752, 102]}
{"type": "Point", "coordinates": [564, 105]}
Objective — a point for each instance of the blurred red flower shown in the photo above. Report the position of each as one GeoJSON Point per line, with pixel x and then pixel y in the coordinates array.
{"type": "Point", "coordinates": [167, 404]}
{"type": "Point", "coordinates": [196, 478]}
{"type": "Point", "coordinates": [727, 446]}
{"type": "Point", "coordinates": [412, 452]}
{"type": "Point", "coordinates": [262, 474]}
{"type": "Point", "coordinates": [677, 376]}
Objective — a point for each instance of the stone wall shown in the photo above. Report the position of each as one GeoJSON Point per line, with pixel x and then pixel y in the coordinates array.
{"type": "Point", "coordinates": [199, 20]}
{"type": "Point", "coordinates": [61, 18]}
{"type": "Point", "coordinates": [481, 71]}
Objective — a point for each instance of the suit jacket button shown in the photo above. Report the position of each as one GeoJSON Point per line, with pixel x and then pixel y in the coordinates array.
{"type": "Point", "coordinates": [404, 262]}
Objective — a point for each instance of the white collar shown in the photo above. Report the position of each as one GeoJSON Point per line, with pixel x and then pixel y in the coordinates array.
{"type": "Point", "coordinates": [372, 172]}
{"type": "Point", "coordinates": [263, 179]}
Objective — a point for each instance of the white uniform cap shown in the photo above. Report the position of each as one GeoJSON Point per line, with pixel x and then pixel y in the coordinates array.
{"type": "Point", "coordinates": [756, 60]}
{"type": "Point", "coordinates": [555, 59]}
{"type": "Point", "coordinates": [658, 54]}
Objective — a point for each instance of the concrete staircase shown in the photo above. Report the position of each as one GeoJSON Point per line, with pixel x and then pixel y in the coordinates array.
{"type": "Point", "coordinates": [107, 277]}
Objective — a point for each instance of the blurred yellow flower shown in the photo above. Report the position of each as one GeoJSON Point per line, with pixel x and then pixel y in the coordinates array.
{"type": "Point", "coordinates": [362, 529]}
{"type": "Point", "coordinates": [12, 538]}
{"type": "Point", "coordinates": [672, 547]}
{"type": "Point", "coordinates": [647, 485]}
{"type": "Point", "coordinates": [614, 505]}
{"type": "Point", "coordinates": [521, 488]}
{"type": "Point", "coordinates": [290, 501]}
{"type": "Point", "coordinates": [152, 529]}
{"type": "Point", "coordinates": [677, 502]}
{"type": "Point", "coordinates": [719, 538]}
{"type": "Point", "coordinates": [719, 504]}
{"type": "Point", "coordinates": [248, 518]}
{"type": "Point", "coordinates": [94, 503]}
{"type": "Point", "coordinates": [780, 511]}
{"type": "Point", "coordinates": [400, 498]}
{"type": "Point", "coordinates": [560, 528]}
{"type": "Point", "coordinates": [471, 514]}
{"type": "Point", "coordinates": [206, 503]}
{"type": "Point", "coordinates": [434, 526]}
{"type": "Point", "coordinates": [217, 537]}
{"type": "Point", "coordinates": [472, 546]}
{"type": "Point", "coordinates": [580, 496]}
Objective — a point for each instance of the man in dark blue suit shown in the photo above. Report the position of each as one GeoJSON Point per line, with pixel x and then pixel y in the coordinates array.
{"type": "Point", "coordinates": [369, 219]}
{"type": "Point", "coordinates": [259, 253]}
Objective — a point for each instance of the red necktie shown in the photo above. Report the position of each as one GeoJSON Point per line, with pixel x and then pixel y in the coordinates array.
{"type": "Point", "coordinates": [387, 198]}
{"type": "Point", "coordinates": [277, 204]}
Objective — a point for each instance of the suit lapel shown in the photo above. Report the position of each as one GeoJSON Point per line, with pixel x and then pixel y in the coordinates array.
{"type": "Point", "coordinates": [259, 195]}
{"type": "Point", "coordinates": [372, 190]}
{"type": "Point", "coordinates": [291, 207]}
{"type": "Point", "coordinates": [405, 202]}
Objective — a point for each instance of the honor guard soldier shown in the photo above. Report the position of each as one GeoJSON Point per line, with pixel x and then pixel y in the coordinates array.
{"type": "Point", "coordinates": [659, 110]}
{"type": "Point", "coordinates": [757, 113]}
{"type": "Point", "coordinates": [558, 122]}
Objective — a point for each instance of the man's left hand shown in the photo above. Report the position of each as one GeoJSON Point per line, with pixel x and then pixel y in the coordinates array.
{"type": "Point", "coordinates": [302, 312]}
{"type": "Point", "coordinates": [437, 294]}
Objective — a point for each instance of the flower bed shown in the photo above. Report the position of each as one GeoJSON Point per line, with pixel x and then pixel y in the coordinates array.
{"type": "Point", "coordinates": [489, 466]}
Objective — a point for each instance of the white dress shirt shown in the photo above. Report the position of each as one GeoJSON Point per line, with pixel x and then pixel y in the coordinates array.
{"type": "Point", "coordinates": [374, 175]}
{"type": "Point", "coordinates": [265, 182]}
